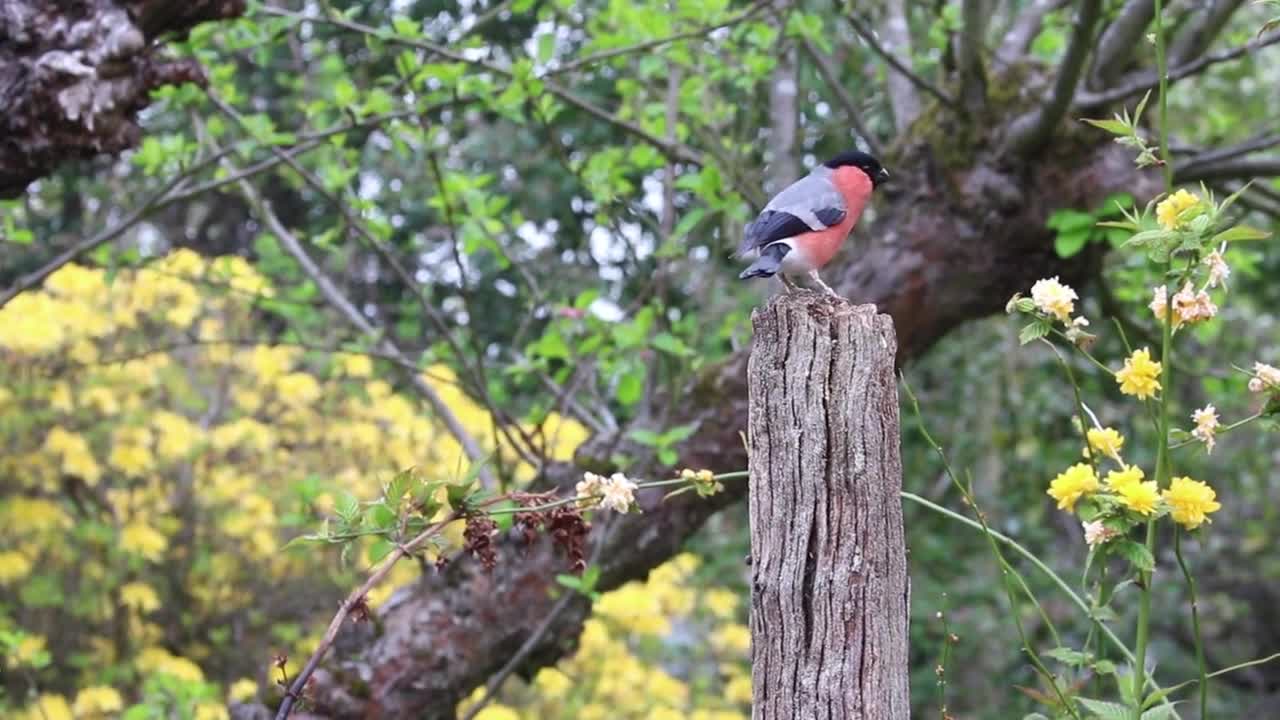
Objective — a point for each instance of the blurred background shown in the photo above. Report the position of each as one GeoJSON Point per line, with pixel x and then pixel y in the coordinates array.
{"type": "Point", "coordinates": [384, 235]}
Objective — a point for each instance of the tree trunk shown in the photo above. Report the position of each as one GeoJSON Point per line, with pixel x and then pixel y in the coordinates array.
{"type": "Point", "coordinates": [829, 571]}
{"type": "Point", "coordinates": [75, 73]}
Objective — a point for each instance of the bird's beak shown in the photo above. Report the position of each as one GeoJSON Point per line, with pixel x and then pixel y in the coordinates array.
{"type": "Point", "coordinates": [882, 175]}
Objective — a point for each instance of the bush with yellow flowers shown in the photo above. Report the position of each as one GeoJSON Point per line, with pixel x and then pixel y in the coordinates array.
{"type": "Point", "coordinates": [668, 648]}
{"type": "Point", "coordinates": [156, 459]}
{"type": "Point", "coordinates": [1124, 508]}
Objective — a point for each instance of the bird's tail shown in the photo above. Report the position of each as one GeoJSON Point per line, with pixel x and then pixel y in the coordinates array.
{"type": "Point", "coordinates": [769, 262]}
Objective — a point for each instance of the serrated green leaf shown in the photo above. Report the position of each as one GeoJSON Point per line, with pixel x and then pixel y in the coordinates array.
{"type": "Point", "coordinates": [1067, 656]}
{"type": "Point", "coordinates": [379, 549]}
{"type": "Point", "coordinates": [1034, 330]}
{"type": "Point", "coordinates": [1104, 709]}
{"type": "Point", "coordinates": [1136, 553]}
{"type": "Point", "coordinates": [1238, 233]}
{"type": "Point", "coordinates": [347, 507]}
{"type": "Point", "coordinates": [1160, 712]}
{"type": "Point", "coordinates": [1115, 127]}
{"type": "Point", "coordinates": [1071, 243]}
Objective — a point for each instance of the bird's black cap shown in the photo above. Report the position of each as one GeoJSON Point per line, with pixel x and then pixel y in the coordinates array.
{"type": "Point", "coordinates": [864, 162]}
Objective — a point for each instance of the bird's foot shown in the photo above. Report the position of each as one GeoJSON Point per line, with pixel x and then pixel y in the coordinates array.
{"type": "Point", "coordinates": [813, 275]}
{"type": "Point", "coordinates": [788, 283]}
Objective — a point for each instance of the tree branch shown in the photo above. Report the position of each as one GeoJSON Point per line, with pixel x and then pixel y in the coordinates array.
{"type": "Point", "coordinates": [897, 65]}
{"type": "Point", "coordinates": [1238, 169]}
{"type": "Point", "coordinates": [973, 32]}
{"type": "Point", "coordinates": [846, 101]}
{"type": "Point", "coordinates": [1029, 132]}
{"type": "Point", "coordinates": [1257, 143]}
{"type": "Point", "coordinates": [903, 98]}
{"type": "Point", "coordinates": [1144, 81]}
{"type": "Point", "coordinates": [1196, 37]}
{"type": "Point", "coordinates": [352, 314]}
{"type": "Point", "coordinates": [1025, 29]}
{"type": "Point", "coordinates": [1119, 40]}
{"type": "Point", "coordinates": [676, 151]}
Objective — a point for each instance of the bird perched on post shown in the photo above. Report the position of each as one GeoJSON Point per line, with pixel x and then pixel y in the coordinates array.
{"type": "Point", "coordinates": [803, 226]}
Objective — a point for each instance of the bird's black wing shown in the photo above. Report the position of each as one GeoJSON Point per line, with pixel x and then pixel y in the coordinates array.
{"type": "Point", "coordinates": [774, 225]}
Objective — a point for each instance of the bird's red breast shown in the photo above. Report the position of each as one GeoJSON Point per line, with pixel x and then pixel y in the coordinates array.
{"type": "Point", "coordinates": [822, 245]}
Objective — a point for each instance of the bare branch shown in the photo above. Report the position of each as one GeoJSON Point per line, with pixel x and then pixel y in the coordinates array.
{"type": "Point", "coordinates": [1238, 169]}
{"type": "Point", "coordinates": [973, 32]}
{"type": "Point", "coordinates": [352, 314]}
{"type": "Point", "coordinates": [1025, 28]}
{"type": "Point", "coordinates": [903, 97]}
{"type": "Point", "coordinates": [677, 151]}
{"type": "Point", "coordinates": [1144, 81]}
{"type": "Point", "coordinates": [1031, 131]}
{"type": "Point", "coordinates": [897, 65]}
{"type": "Point", "coordinates": [1257, 143]}
{"type": "Point", "coordinates": [1119, 40]}
{"type": "Point", "coordinates": [657, 42]}
{"type": "Point", "coordinates": [784, 115]}
{"type": "Point", "coordinates": [1194, 39]}
{"type": "Point", "coordinates": [851, 111]}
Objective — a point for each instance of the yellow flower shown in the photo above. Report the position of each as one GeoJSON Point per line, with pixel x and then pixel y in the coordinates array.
{"type": "Point", "coordinates": [97, 700]}
{"type": "Point", "coordinates": [356, 366]}
{"type": "Point", "coordinates": [242, 690]}
{"type": "Point", "coordinates": [733, 638]}
{"type": "Point", "coordinates": [139, 596]}
{"type": "Point", "coordinates": [1071, 485]}
{"type": "Point", "coordinates": [1106, 441]}
{"type": "Point", "coordinates": [1140, 497]}
{"type": "Point", "coordinates": [1169, 209]}
{"type": "Point", "coordinates": [497, 712]}
{"type": "Point", "coordinates": [140, 538]}
{"type": "Point", "coordinates": [1138, 376]}
{"type": "Point", "coordinates": [211, 711]}
{"type": "Point", "coordinates": [1190, 502]}
{"type": "Point", "coordinates": [49, 707]}
{"type": "Point", "coordinates": [1054, 298]}
{"type": "Point", "coordinates": [159, 660]}
{"type": "Point", "coordinates": [552, 683]}
{"type": "Point", "coordinates": [720, 602]}
{"type": "Point", "coordinates": [28, 649]}
{"type": "Point", "coordinates": [13, 566]}
{"type": "Point", "coordinates": [738, 690]}
{"type": "Point", "coordinates": [1124, 477]}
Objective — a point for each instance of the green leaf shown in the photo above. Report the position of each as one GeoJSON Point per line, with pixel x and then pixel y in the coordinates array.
{"type": "Point", "coordinates": [1069, 244]}
{"type": "Point", "coordinates": [379, 517]}
{"type": "Point", "coordinates": [504, 520]}
{"type": "Point", "coordinates": [1105, 710]}
{"type": "Point", "coordinates": [1067, 656]}
{"type": "Point", "coordinates": [645, 437]}
{"type": "Point", "coordinates": [679, 433]}
{"type": "Point", "coordinates": [1104, 667]}
{"type": "Point", "coordinates": [631, 386]}
{"type": "Point", "coordinates": [1161, 712]}
{"type": "Point", "coordinates": [379, 549]}
{"type": "Point", "coordinates": [347, 507]}
{"type": "Point", "coordinates": [546, 47]}
{"type": "Point", "coordinates": [1238, 233]}
{"type": "Point", "coordinates": [1115, 127]}
{"type": "Point", "coordinates": [1034, 330]}
{"type": "Point", "coordinates": [458, 494]}
{"type": "Point", "coordinates": [672, 345]}
{"type": "Point", "coordinates": [1065, 221]}
{"type": "Point", "coordinates": [1136, 553]}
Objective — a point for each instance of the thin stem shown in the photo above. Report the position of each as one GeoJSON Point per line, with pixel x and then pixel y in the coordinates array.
{"type": "Point", "coordinates": [1202, 666]}
{"type": "Point", "coordinates": [1224, 429]}
{"type": "Point", "coordinates": [1006, 570]}
{"type": "Point", "coordinates": [1166, 343]}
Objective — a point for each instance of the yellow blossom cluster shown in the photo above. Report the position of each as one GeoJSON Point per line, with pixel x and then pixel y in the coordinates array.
{"type": "Point", "coordinates": [1140, 375]}
{"type": "Point", "coordinates": [1172, 212]}
{"type": "Point", "coordinates": [625, 645]}
{"type": "Point", "coordinates": [139, 405]}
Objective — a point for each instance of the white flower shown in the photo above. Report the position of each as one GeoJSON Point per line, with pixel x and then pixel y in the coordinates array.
{"type": "Point", "coordinates": [1219, 271]}
{"type": "Point", "coordinates": [1266, 377]}
{"type": "Point", "coordinates": [1255, 385]}
{"type": "Point", "coordinates": [619, 493]}
{"type": "Point", "coordinates": [1095, 533]}
{"type": "Point", "coordinates": [1159, 298]}
{"type": "Point", "coordinates": [1206, 420]}
{"type": "Point", "coordinates": [1054, 298]}
{"type": "Point", "coordinates": [590, 485]}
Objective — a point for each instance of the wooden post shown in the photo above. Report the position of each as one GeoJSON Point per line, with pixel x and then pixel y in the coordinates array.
{"type": "Point", "coordinates": [829, 594]}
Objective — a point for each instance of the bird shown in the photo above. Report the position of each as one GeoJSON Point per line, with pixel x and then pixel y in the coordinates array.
{"type": "Point", "coordinates": [802, 227]}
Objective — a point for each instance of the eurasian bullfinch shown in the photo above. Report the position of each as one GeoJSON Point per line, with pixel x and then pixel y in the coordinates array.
{"type": "Point", "coordinates": [802, 227]}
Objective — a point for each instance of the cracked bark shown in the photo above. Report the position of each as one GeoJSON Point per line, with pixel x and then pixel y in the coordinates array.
{"type": "Point", "coordinates": [829, 571]}
{"type": "Point", "coordinates": [75, 73]}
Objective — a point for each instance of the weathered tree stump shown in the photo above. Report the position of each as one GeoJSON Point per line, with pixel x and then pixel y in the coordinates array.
{"type": "Point", "coordinates": [829, 594]}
